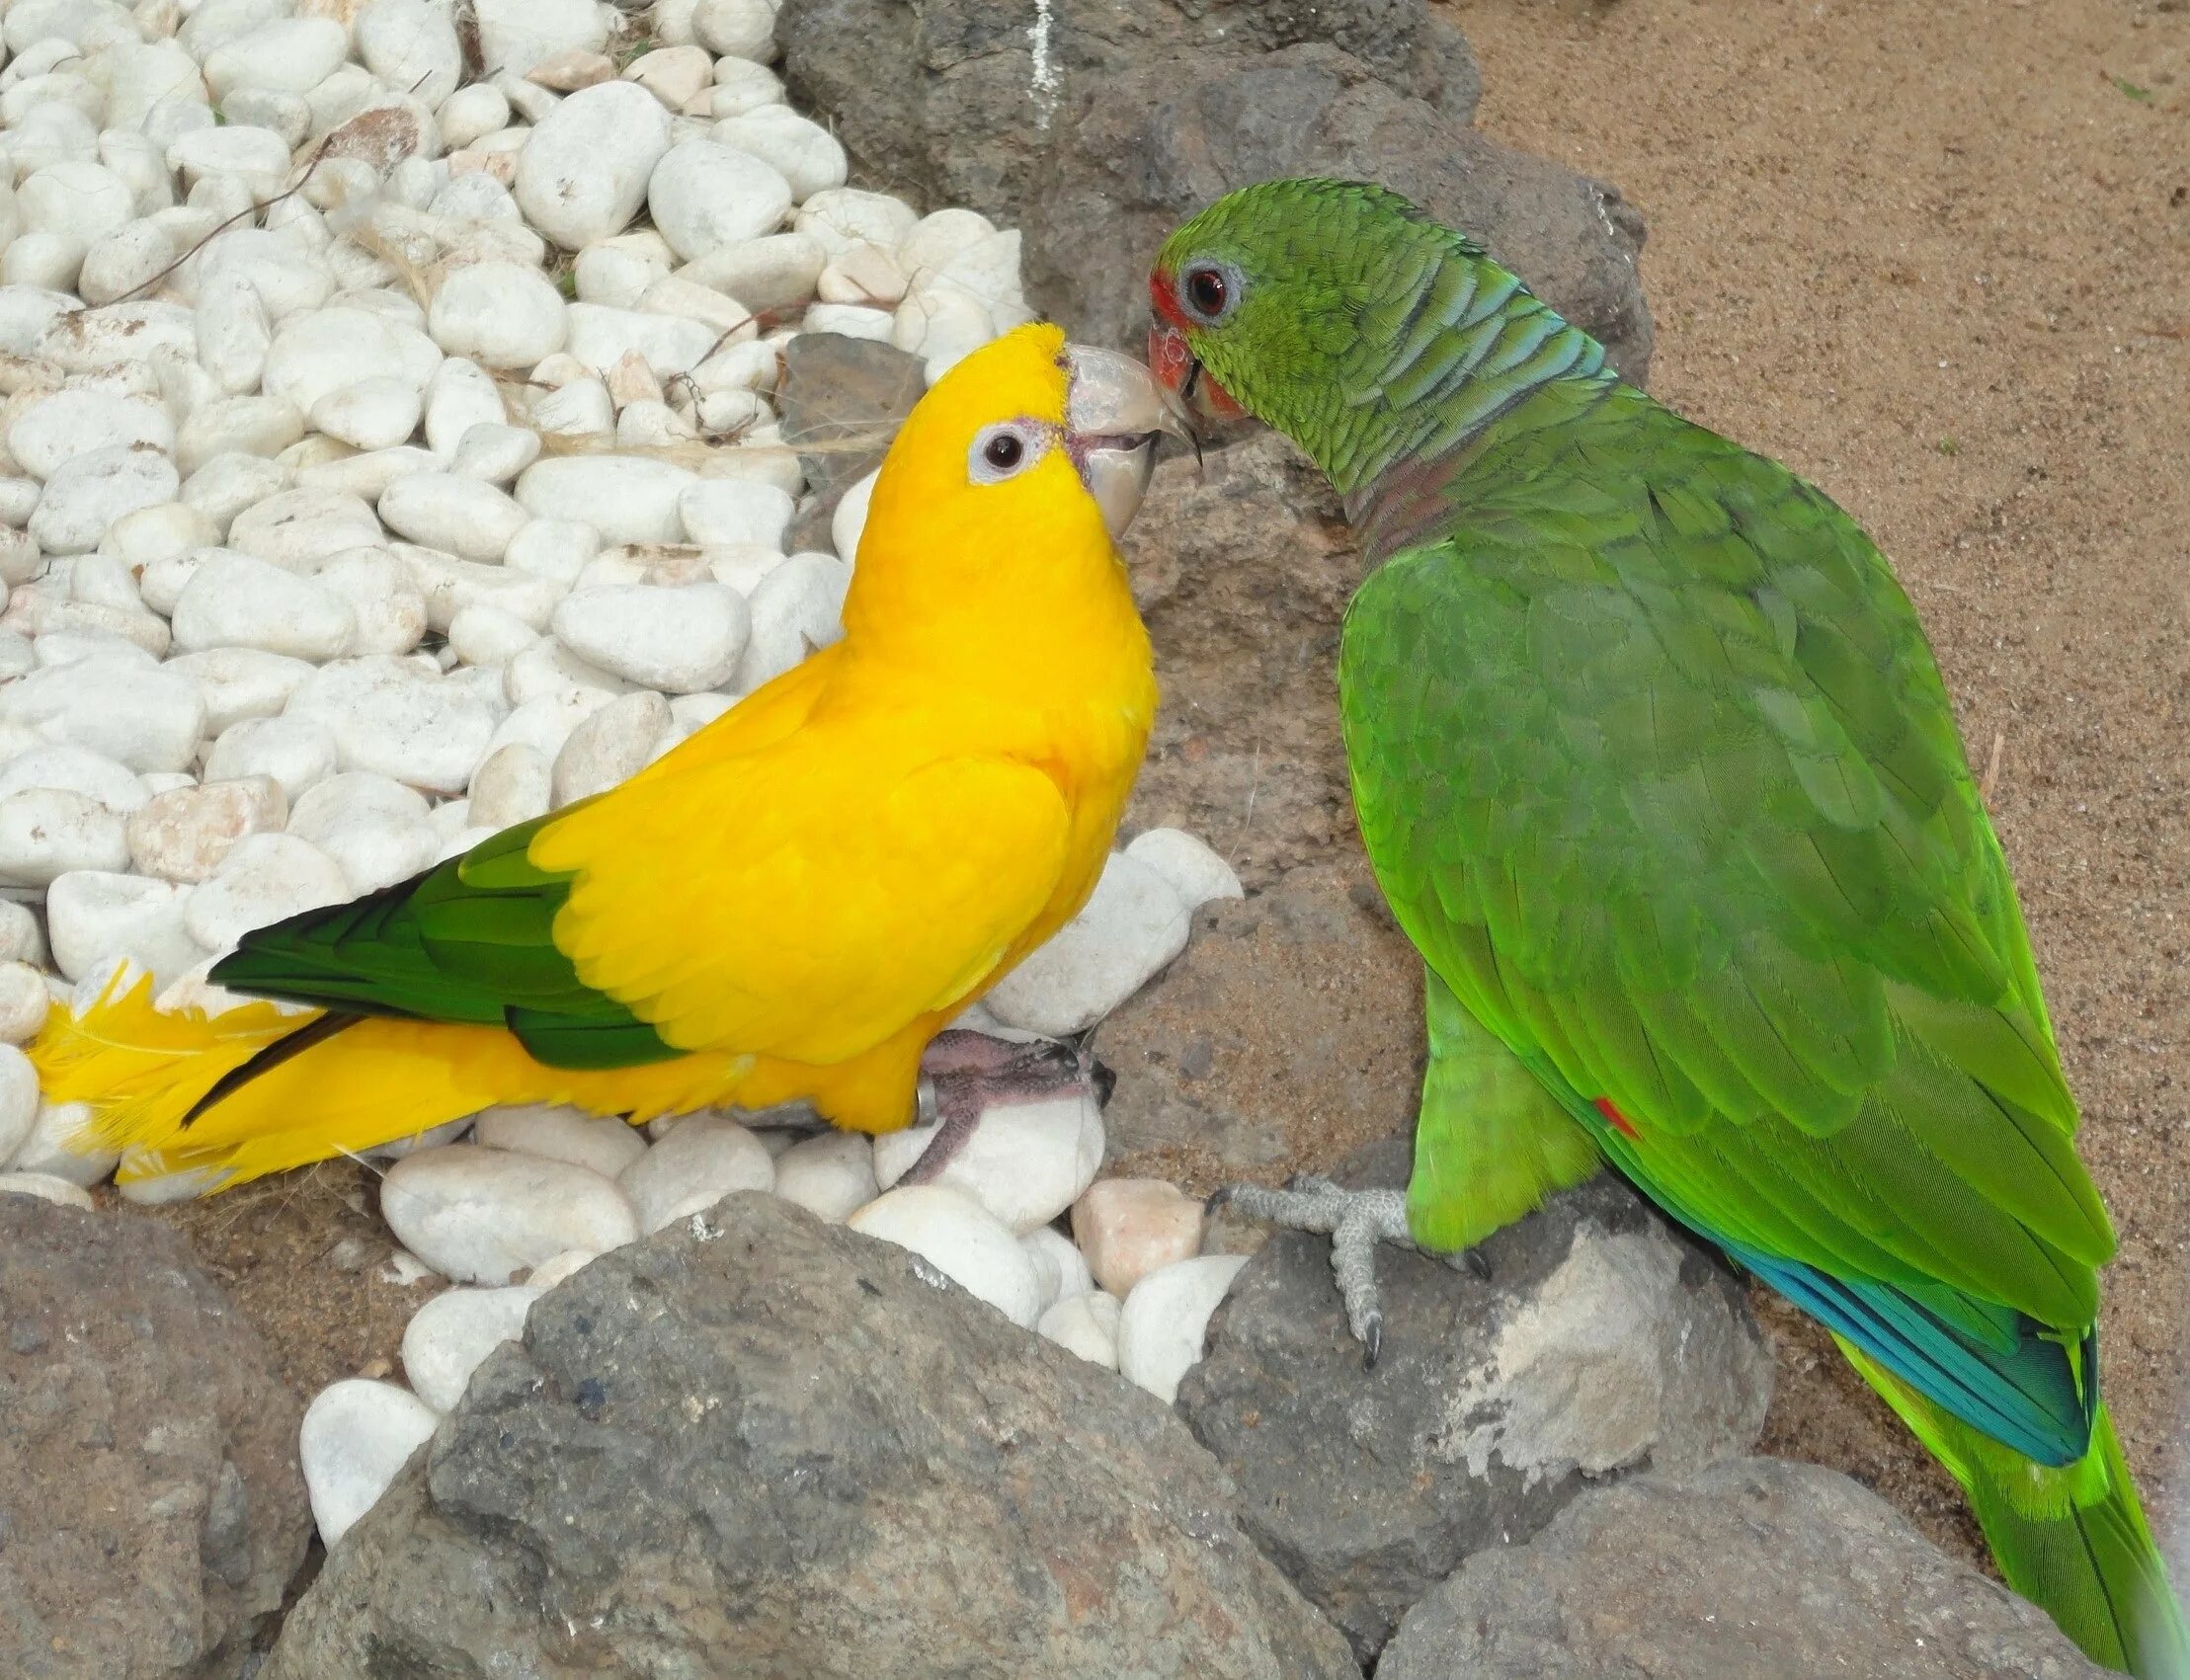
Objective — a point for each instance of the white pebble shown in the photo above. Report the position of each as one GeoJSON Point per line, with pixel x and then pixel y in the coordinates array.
{"type": "Point", "coordinates": [264, 879]}
{"type": "Point", "coordinates": [92, 916]}
{"type": "Point", "coordinates": [48, 831]}
{"type": "Point", "coordinates": [389, 611]}
{"type": "Point", "coordinates": [558, 1132]}
{"type": "Point", "coordinates": [412, 44]}
{"type": "Point", "coordinates": [87, 493]}
{"type": "Point", "coordinates": [62, 1142]}
{"type": "Point", "coordinates": [850, 519]}
{"type": "Point", "coordinates": [293, 752]}
{"type": "Point", "coordinates": [355, 1436]}
{"type": "Point", "coordinates": [962, 1238]}
{"type": "Point", "coordinates": [1162, 1321]}
{"type": "Point", "coordinates": [374, 829]}
{"type": "Point", "coordinates": [740, 29]}
{"type": "Point", "coordinates": [92, 775]}
{"type": "Point", "coordinates": [471, 112]}
{"type": "Point", "coordinates": [719, 512]}
{"type": "Point", "coordinates": [1058, 1263]}
{"type": "Point", "coordinates": [778, 271]}
{"type": "Point", "coordinates": [498, 315]}
{"type": "Point", "coordinates": [1195, 873]}
{"type": "Point", "coordinates": [668, 345]}
{"type": "Point", "coordinates": [19, 1101]}
{"type": "Point", "coordinates": [702, 1160]}
{"type": "Point", "coordinates": [851, 320]}
{"type": "Point", "coordinates": [1085, 1325]}
{"type": "Point", "coordinates": [583, 172]}
{"type": "Point", "coordinates": [320, 350]}
{"type": "Point", "coordinates": [183, 835]}
{"type": "Point", "coordinates": [679, 640]}
{"type": "Point", "coordinates": [459, 515]}
{"type": "Point", "coordinates": [495, 454]}
{"type": "Point", "coordinates": [62, 424]}
{"type": "Point", "coordinates": [549, 1272]}
{"type": "Point", "coordinates": [842, 216]}
{"type": "Point", "coordinates": [512, 786]}
{"type": "Point", "coordinates": [809, 156]}
{"type": "Point", "coordinates": [23, 1001]}
{"type": "Point", "coordinates": [1027, 1162]}
{"type": "Point", "coordinates": [235, 601]}
{"type": "Point", "coordinates": [484, 1216]}
{"type": "Point", "coordinates": [830, 1177]}
{"type": "Point", "coordinates": [450, 1336]}
{"type": "Point", "coordinates": [516, 35]}
{"type": "Point", "coordinates": [462, 395]}
{"type": "Point", "coordinates": [796, 608]}
{"type": "Point", "coordinates": [297, 526]}
{"type": "Point", "coordinates": [609, 746]}
{"type": "Point", "coordinates": [146, 719]}
{"type": "Point", "coordinates": [287, 54]}
{"type": "Point", "coordinates": [375, 412]}
{"type": "Point", "coordinates": [47, 1188]}
{"type": "Point", "coordinates": [704, 196]}
{"type": "Point", "coordinates": [1134, 923]}
{"type": "Point", "coordinates": [388, 718]}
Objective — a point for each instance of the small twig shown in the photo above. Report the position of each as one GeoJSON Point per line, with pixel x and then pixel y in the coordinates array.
{"type": "Point", "coordinates": [1992, 766]}
{"type": "Point", "coordinates": [222, 227]}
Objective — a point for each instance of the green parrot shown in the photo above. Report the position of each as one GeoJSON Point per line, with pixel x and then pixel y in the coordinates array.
{"type": "Point", "coordinates": [1656, 768]}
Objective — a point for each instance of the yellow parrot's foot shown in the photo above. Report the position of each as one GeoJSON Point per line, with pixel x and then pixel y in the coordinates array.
{"type": "Point", "coordinates": [1355, 1221]}
{"type": "Point", "coordinates": [964, 1075]}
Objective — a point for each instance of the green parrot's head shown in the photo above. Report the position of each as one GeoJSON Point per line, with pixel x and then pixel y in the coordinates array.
{"type": "Point", "coordinates": [1258, 299]}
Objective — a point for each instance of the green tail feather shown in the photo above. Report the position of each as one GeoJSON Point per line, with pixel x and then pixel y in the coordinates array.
{"type": "Point", "coordinates": [2072, 1541]}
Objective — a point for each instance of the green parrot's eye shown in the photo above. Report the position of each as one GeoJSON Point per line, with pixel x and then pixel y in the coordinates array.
{"type": "Point", "coordinates": [1210, 291]}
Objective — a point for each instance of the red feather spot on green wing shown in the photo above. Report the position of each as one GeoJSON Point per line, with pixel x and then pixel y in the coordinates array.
{"type": "Point", "coordinates": [1619, 1121]}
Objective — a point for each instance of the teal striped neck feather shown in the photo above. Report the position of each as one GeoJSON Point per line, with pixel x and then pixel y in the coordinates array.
{"type": "Point", "coordinates": [1449, 346]}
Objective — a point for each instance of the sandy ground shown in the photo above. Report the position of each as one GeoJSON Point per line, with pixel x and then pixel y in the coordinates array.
{"type": "Point", "coordinates": [1935, 254]}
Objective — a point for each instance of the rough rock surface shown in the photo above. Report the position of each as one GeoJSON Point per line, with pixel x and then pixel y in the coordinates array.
{"type": "Point", "coordinates": [151, 1509]}
{"type": "Point", "coordinates": [753, 1444]}
{"type": "Point", "coordinates": [1335, 1062]}
{"type": "Point", "coordinates": [1241, 567]}
{"type": "Point", "coordinates": [841, 399]}
{"type": "Point", "coordinates": [1102, 130]}
{"type": "Point", "coordinates": [1597, 1344]}
{"type": "Point", "coordinates": [1754, 1567]}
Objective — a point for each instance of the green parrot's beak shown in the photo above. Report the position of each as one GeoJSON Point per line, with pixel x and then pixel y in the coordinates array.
{"type": "Point", "coordinates": [1114, 411]}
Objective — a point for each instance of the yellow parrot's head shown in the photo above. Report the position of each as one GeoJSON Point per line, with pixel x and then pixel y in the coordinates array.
{"type": "Point", "coordinates": [1028, 438]}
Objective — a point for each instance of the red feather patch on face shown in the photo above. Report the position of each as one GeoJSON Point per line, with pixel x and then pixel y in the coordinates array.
{"type": "Point", "coordinates": [1162, 298]}
{"type": "Point", "coordinates": [1620, 1122]}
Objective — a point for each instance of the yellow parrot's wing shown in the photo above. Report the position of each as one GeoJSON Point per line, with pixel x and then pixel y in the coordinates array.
{"type": "Point", "coordinates": [800, 901]}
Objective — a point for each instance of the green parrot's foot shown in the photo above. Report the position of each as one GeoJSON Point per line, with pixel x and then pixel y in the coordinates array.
{"type": "Point", "coordinates": [964, 1075]}
{"type": "Point", "coordinates": [1355, 1221]}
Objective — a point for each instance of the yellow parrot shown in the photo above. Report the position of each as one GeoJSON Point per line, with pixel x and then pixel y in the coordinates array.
{"type": "Point", "coordinates": [792, 904]}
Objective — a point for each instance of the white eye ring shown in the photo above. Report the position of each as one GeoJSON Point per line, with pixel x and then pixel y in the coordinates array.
{"type": "Point", "coordinates": [1006, 451]}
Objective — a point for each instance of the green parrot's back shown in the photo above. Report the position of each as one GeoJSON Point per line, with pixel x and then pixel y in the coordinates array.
{"type": "Point", "coordinates": [1658, 772]}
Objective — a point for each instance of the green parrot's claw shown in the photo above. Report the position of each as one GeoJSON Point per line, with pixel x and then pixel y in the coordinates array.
{"type": "Point", "coordinates": [1355, 1221]}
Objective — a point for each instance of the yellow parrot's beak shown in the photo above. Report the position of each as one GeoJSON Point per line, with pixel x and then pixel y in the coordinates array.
{"type": "Point", "coordinates": [1114, 410]}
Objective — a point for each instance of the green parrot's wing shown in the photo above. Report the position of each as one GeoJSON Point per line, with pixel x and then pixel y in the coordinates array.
{"type": "Point", "coordinates": [1658, 772]}
{"type": "Point", "coordinates": [471, 941]}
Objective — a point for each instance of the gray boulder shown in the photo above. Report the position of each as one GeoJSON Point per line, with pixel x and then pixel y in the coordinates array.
{"type": "Point", "coordinates": [1137, 113]}
{"type": "Point", "coordinates": [1333, 990]}
{"type": "Point", "coordinates": [1755, 1566]}
{"type": "Point", "coordinates": [1597, 1344]}
{"type": "Point", "coordinates": [152, 1508]}
{"type": "Point", "coordinates": [757, 1445]}
{"type": "Point", "coordinates": [1241, 566]}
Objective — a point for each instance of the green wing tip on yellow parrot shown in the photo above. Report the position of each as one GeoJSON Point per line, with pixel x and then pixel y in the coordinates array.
{"type": "Point", "coordinates": [1656, 768]}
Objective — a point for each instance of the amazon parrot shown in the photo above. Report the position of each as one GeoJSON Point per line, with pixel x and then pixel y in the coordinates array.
{"type": "Point", "coordinates": [1656, 771]}
{"type": "Point", "coordinates": [792, 904]}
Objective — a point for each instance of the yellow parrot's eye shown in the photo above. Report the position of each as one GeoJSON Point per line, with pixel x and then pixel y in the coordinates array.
{"type": "Point", "coordinates": [1004, 452]}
